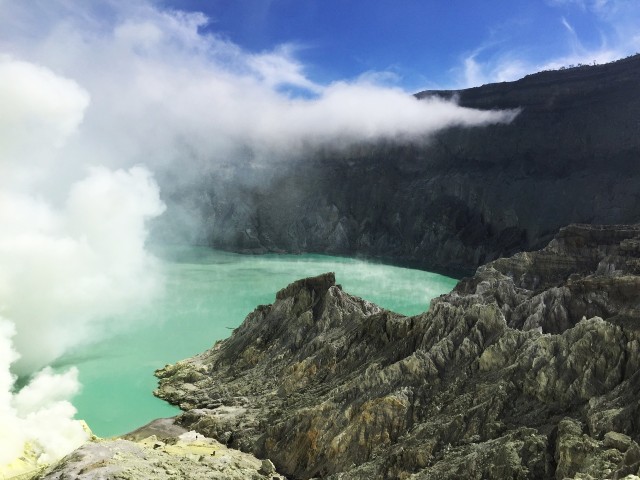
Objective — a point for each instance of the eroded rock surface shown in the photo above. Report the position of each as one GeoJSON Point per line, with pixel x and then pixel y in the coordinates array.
{"type": "Point", "coordinates": [187, 456]}
{"type": "Point", "coordinates": [529, 369]}
{"type": "Point", "coordinates": [458, 199]}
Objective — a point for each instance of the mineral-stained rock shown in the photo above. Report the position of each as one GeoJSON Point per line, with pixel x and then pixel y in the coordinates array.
{"type": "Point", "coordinates": [616, 440]}
{"type": "Point", "coordinates": [188, 456]}
{"type": "Point", "coordinates": [529, 369]}
{"type": "Point", "coordinates": [458, 199]}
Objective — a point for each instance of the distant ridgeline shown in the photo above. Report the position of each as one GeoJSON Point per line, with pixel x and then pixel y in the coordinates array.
{"type": "Point", "coordinates": [461, 198]}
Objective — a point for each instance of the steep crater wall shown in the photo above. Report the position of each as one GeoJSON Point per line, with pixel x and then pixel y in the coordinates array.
{"type": "Point", "coordinates": [527, 370]}
{"type": "Point", "coordinates": [467, 196]}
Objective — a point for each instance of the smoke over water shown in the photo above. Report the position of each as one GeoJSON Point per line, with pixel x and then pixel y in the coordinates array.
{"type": "Point", "coordinates": [98, 98]}
{"type": "Point", "coordinates": [65, 267]}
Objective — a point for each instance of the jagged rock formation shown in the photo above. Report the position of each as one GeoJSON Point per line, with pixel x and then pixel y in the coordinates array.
{"type": "Point", "coordinates": [528, 370]}
{"type": "Point", "coordinates": [467, 196]}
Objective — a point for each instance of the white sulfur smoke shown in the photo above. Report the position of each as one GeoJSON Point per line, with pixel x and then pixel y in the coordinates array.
{"type": "Point", "coordinates": [11, 445]}
{"type": "Point", "coordinates": [38, 421]}
{"type": "Point", "coordinates": [67, 269]}
{"type": "Point", "coordinates": [65, 272]}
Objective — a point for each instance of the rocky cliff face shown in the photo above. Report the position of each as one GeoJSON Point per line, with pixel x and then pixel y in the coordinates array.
{"type": "Point", "coordinates": [460, 199]}
{"type": "Point", "coordinates": [529, 369]}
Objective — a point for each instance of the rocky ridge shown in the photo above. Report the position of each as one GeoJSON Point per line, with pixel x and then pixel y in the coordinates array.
{"type": "Point", "coordinates": [529, 369]}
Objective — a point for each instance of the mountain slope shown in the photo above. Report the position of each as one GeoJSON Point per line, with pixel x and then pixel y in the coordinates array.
{"type": "Point", "coordinates": [460, 199]}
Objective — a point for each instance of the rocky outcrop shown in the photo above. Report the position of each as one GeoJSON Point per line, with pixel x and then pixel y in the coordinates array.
{"type": "Point", "coordinates": [454, 201]}
{"type": "Point", "coordinates": [529, 369]}
{"type": "Point", "coordinates": [175, 454]}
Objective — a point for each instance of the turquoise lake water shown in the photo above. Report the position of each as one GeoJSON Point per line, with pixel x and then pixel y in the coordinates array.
{"type": "Point", "coordinates": [208, 293]}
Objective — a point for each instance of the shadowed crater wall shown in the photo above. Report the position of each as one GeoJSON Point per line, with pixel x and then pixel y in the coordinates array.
{"type": "Point", "coordinates": [465, 196]}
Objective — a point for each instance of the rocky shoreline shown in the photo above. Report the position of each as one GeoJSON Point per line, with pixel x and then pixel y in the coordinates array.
{"type": "Point", "coordinates": [528, 370]}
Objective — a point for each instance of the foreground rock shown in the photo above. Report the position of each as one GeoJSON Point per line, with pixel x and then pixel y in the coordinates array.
{"type": "Point", "coordinates": [527, 370]}
{"type": "Point", "coordinates": [188, 456]}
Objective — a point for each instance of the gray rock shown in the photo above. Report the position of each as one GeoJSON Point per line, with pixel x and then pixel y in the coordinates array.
{"type": "Point", "coordinates": [517, 373]}
{"type": "Point", "coordinates": [185, 457]}
{"type": "Point", "coordinates": [619, 441]}
{"type": "Point", "coordinates": [267, 467]}
{"type": "Point", "coordinates": [454, 201]}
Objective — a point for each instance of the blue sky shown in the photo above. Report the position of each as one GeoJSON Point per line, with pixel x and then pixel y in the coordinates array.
{"type": "Point", "coordinates": [428, 43]}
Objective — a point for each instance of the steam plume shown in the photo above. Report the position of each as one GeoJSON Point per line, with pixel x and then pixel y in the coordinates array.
{"type": "Point", "coordinates": [38, 419]}
{"type": "Point", "coordinates": [65, 268]}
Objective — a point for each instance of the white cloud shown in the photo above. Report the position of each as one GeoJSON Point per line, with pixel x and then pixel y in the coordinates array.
{"type": "Point", "coordinates": [568, 26]}
{"type": "Point", "coordinates": [160, 87]}
{"type": "Point", "coordinates": [279, 68]}
{"type": "Point", "coordinates": [618, 24]}
{"type": "Point", "coordinates": [505, 68]}
{"type": "Point", "coordinates": [579, 3]}
{"type": "Point", "coordinates": [348, 112]}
